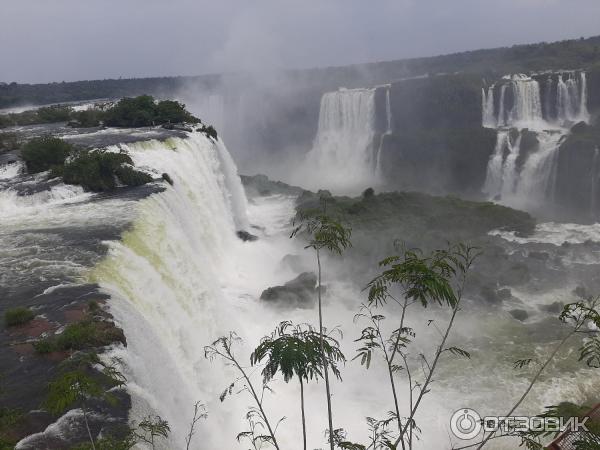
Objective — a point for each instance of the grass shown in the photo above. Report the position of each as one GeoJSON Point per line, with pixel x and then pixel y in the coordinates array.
{"type": "Point", "coordinates": [18, 316]}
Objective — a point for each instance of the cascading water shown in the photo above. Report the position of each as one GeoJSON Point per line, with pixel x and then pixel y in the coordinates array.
{"type": "Point", "coordinates": [343, 157]}
{"type": "Point", "coordinates": [388, 128]}
{"type": "Point", "coordinates": [530, 183]}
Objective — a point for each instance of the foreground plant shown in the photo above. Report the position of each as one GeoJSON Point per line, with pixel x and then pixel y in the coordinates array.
{"type": "Point", "coordinates": [408, 279]}
{"type": "Point", "coordinates": [583, 318]}
{"type": "Point", "coordinates": [324, 234]}
{"type": "Point", "coordinates": [257, 417]}
{"type": "Point", "coordinates": [297, 351]}
{"type": "Point", "coordinates": [82, 378]}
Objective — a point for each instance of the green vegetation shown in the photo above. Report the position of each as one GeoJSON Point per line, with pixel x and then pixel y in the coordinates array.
{"type": "Point", "coordinates": [9, 418]}
{"type": "Point", "coordinates": [47, 114]}
{"type": "Point", "coordinates": [295, 351]}
{"type": "Point", "coordinates": [144, 111]}
{"type": "Point", "coordinates": [412, 215]}
{"type": "Point", "coordinates": [81, 335]}
{"type": "Point", "coordinates": [18, 316]}
{"type": "Point", "coordinates": [78, 382]}
{"type": "Point", "coordinates": [99, 171]}
{"type": "Point", "coordinates": [45, 153]}
{"type": "Point", "coordinates": [140, 111]}
{"type": "Point", "coordinates": [8, 141]}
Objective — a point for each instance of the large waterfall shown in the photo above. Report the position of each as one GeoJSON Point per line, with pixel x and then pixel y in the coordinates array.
{"type": "Point", "coordinates": [344, 154]}
{"type": "Point", "coordinates": [544, 105]}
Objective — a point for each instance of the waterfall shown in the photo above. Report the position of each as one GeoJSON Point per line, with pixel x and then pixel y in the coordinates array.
{"type": "Point", "coordinates": [500, 177]}
{"type": "Point", "coordinates": [594, 185]}
{"type": "Point", "coordinates": [166, 277]}
{"type": "Point", "coordinates": [487, 105]}
{"type": "Point", "coordinates": [527, 107]}
{"type": "Point", "coordinates": [532, 183]}
{"type": "Point", "coordinates": [388, 129]}
{"type": "Point", "coordinates": [343, 157]}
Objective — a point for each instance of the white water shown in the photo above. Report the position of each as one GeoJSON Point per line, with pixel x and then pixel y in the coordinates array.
{"type": "Point", "coordinates": [180, 278]}
{"type": "Point", "coordinates": [343, 157]}
{"type": "Point", "coordinates": [388, 129]}
{"type": "Point", "coordinates": [532, 184]}
{"type": "Point", "coordinates": [9, 171]}
{"type": "Point", "coordinates": [12, 204]}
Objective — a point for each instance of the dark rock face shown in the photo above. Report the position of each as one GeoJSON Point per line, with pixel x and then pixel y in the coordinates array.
{"type": "Point", "coordinates": [519, 314]}
{"type": "Point", "coordinates": [577, 172]}
{"type": "Point", "coordinates": [245, 236]}
{"type": "Point", "coordinates": [437, 143]}
{"type": "Point", "coordinates": [301, 292]}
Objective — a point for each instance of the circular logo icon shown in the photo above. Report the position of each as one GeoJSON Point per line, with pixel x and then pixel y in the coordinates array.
{"type": "Point", "coordinates": [465, 424]}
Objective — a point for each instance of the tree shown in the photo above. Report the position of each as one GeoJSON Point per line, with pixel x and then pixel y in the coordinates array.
{"type": "Point", "coordinates": [325, 234]}
{"type": "Point", "coordinates": [296, 351]}
{"type": "Point", "coordinates": [223, 348]}
{"type": "Point", "coordinates": [79, 382]}
{"type": "Point", "coordinates": [44, 153]}
{"type": "Point", "coordinates": [151, 428]}
{"type": "Point", "coordinates": [437, 278]}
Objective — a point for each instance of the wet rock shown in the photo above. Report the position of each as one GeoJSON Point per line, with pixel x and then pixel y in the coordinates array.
{"type": "Point", "coordinates": [301, 292]}
{"type": "Point", "coordinates": [519, 314]}
{"type": "Point", "coordinates": [581, 292]}
{"type": "Point", "coordinates": [504, 294]}
{"type": "Point", "coordinates": [515, 275]}
{"type": "Point", "coordinates": [542, 256]}
{"type": "Point", "coordinates": [245, 236]}
{"type": "Point", "coordinates": [553, 308]}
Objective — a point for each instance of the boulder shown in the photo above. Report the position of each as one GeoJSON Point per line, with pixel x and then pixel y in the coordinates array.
{"type": "Point", "coordinates": [245, 236]}
{"type": "Point", "coordinates": [301, 292]}
{"type": "Point", "coordinates": [519, 314]}
{"type": "Point", "coordinates": [553, 308]}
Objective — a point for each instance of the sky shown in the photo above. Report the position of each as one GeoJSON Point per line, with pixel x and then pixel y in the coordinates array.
{"type": "Point", "coordinates": [66, 40]}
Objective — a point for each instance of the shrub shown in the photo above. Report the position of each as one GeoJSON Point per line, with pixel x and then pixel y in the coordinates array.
{"type": "Point", "coordinates": [143, 111]}
{"type": "Point", "coordinates": [80, 335]}
{"type": "Point", "coordinates": [131, 177]}
{"type": "Point", "coordinates": [86, 119]}
{"type": "Point", "coordinates": [17, 316]}
{"type": "Point", "coordinates": [8, 141]}
{"type": "Point", "coordinates": [98, 171]}
{"type": "Point", "coordinates": [44, 153]}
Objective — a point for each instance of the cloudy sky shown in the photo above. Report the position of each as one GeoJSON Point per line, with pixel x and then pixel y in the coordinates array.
{"type": "Point", "coordinates": [56, 40]}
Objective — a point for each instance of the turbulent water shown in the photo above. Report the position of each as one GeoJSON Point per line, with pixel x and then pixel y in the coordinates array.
{"type": "Point", "coordinates": [532, 183]}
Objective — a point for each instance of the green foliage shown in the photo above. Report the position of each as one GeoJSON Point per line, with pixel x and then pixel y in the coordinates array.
{"type": "Point", "coordinates": [87, 118]}
{"type": "Point", "coordinates": [295, 351]}
{"type": "Point", "coordinates": [9, 418]}
{"type": "Point", "coordinates": [421, 219]}
{"type": "Point", "coordinates": [44, 153]}
{"type": "Point", "coordinates": [144, 111]}
{"type": "Point", "coordinates": [209, 130]}
{"type": "Point", "coordinates": [9, 141]}
{"type": "Point", "coordinates": [47, 114]}
{"type": "Point", "coordinates": [98, 171]}
{"type": "Point", "coordinates": [422, 278]}
{"type": "Point", "coordinates": [152, 428]}
{"type": "Point", "coordinates": [324, 232]}
{"type": "Point", "coordinates": [81, 335]}
{"type": "Point", "coordinates": [17, 316]}
{"type": "Point", "coordinates": [79, 380]}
